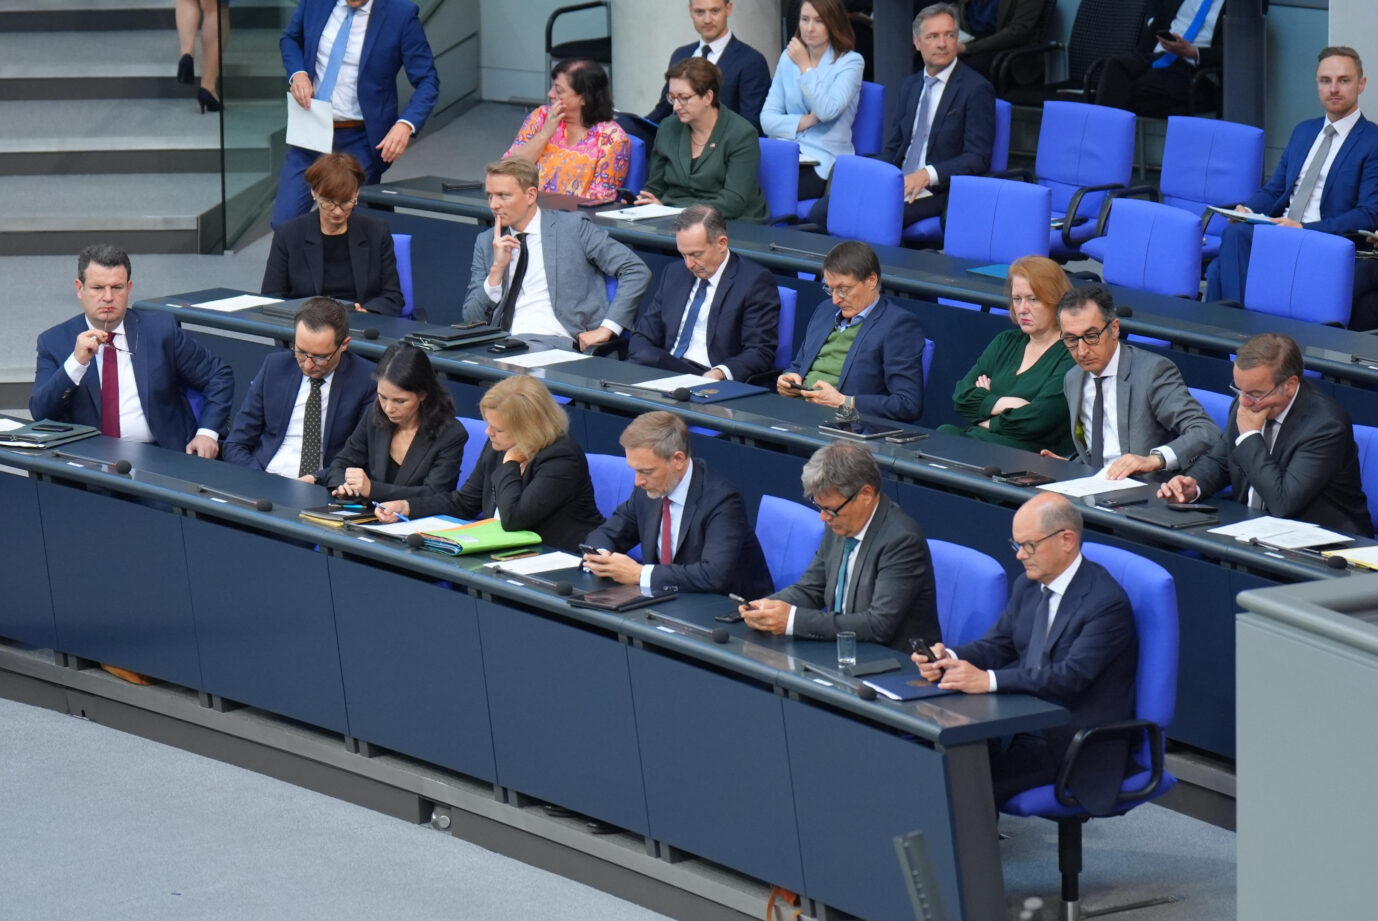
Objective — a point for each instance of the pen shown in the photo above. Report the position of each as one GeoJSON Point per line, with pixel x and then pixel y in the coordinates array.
{"type": "Point", "coordinates": [400, 516]}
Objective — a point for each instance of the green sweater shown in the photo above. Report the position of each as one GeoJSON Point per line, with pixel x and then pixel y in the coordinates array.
{"type": "Point", "coordinates": [723, 175]}
{"type": "Point", "coordinates": [1044, 422]}
{"type": "Point", "coordinates": [832, 356]}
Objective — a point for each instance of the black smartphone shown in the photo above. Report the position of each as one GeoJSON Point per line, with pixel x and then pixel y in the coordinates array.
{"type": "Point", "coordinates": [49, 427]}
{"type": "Point", "coordinates": [735, 616]}
{"type": "Point", "coordinates": [627, 196]}
{"type": "Point", "coordinates": [905, 438]}
{"type": "Point", "coordinates": [1165, 36]}
{"type": "Point", "coordinates": [504, 346]}
{"type": "Point", "coordinates": [1191, 507]}
{"type": "Point", "coordinates": [460, 185]}
{"type": "Point", "coordinates": [586, 550]}
{"type": "Point", "coordinates": [920, 645]}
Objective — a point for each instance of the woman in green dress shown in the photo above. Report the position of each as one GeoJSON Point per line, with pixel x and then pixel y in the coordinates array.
{"type": "Point", "coordinates": [1013, 394]}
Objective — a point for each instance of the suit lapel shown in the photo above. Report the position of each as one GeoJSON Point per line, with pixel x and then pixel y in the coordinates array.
{"type": "Point", "coordinates": [1337, 166]}
{"type": "Point", "coordinates": [1069, 606]}
{"type": "Point", "coordinates": [649, 525]}
{"type": "Point", "coordinates": [337, 388]}
{"type": "Point", "coordinates": [358, 259]}
{"type": "Point", "coordinates": [1287, 432]}
{"type": "Point", "coordinates": [950, 91]}
{"type": "Point", "coordinates": [411, 463]}
{"type": "Point", "coordinates": [313, 249]}
{"type": "Point", "coordinates": [729, 277]}
{"type": "Point", "coordinates": [377, 15]}
{"type": "Point", "coordinates": [140, 356]}
{"type": "Point", "coordinates": [868, 549]}
{"type": "Point", "coordinates": [549, 260]}
{"type": "Point", "coordinates": [1122, 395]}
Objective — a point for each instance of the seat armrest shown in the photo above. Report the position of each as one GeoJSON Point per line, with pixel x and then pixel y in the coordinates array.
{"type": "Point", "coordinates": [1135, 191]}
{"type": "Point", "coordinates": [560, 11]}
{"type": "Point", "coordinates": [1000, 67]}
{"type": "Point", "coordinates": [1023, 175]}
{"type": "Point", "coordinates": [1072, 206]}
{"type": "Point", "coordinates": [1129, 730]}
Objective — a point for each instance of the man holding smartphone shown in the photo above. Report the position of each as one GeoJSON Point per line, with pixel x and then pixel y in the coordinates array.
{"type": "Point", "coordinates": [1156, 81]}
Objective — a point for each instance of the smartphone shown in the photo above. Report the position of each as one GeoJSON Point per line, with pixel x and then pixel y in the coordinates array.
{"type": "Point", "coordinates": [792, 387]}
{"type": "Point", "coordinates": [735, 616]}
{"type": "Point", "coordinates": [1191, 507]}
{"type": "Point", "coordinates": [905, 438]}
{"type": "Point", "coordinates": [920, 645]}
{"type": "Point", "coordinates": [515, 554]}
{"type": "Point", "coordinates": [504, 346]}
{"type": "Point", "coordinates": [49, 427]}
{"type": "Point", "coordinates": [471, 324]}
{"type": "Point", "coordinates": [1165, 36]}
{"type": "Point", "coordinates": [626, 195]}
{"type": "Point", "coordinates": [586, 550]}
{"type": "Point", "coordinates": [460, 185]}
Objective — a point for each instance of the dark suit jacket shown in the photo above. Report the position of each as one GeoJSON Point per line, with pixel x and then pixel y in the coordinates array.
{"type": "Point", "coordinates": [884, 369]}
{"type": "Point", "coordinates": [1016, 23]}
{"type": "Point", "coordinates": [745, 81]}
{"type": "Point", "coordinates": [1312, 474]}
{"type": "Point", "coordinates": [262, 421]}
{"type": "Point", "coordinates": [725, 175]}
{"type": "Point", "coordinates": [1349, 200]}
{"type": "Point", "coordinates": [296, 263]}
{"type": "Point", "coordinates": [963, 132]}
{"type": "Point", "coordinates": [554, 497]}
{"type": "Point", "coordinates": [743, 320]}
{"type": "Point", "coordinates": [430, 467]}
{"type": "Point", "coordinates": [717, 553]}
{"type": "Point", "coordinates": [167, 361]}
{"type": "Point", "coordinates": [890, 596]}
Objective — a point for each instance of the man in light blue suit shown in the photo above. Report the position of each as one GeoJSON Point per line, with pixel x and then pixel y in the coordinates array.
{"type": "Point", "coordinates": [359, 79]}
{"type": "Point", "coordinates": [1327, 179]}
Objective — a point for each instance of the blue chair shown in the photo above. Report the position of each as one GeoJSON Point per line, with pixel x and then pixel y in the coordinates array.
{"type": "Point", "coordinates": [1084, 151]}
{"type": "Point", "coordinates": [478, 437]}
{"type": "Point", "coordinates": [784, 339]}
{"type": "Point", "coordinates": [778, 176]}
{"type": "Point", "coordinates": [1366, 437]}
{"type": "Point", "coordinates": [1302, 274]}
{"type": "Point", "coordinates": [972, 591]}
{"type": "Point", "coordinates": [1153, 247]}
{"type": "Point", "coordinates": [1154, 600]}
{"type": "Point", "coordinates": [866, 201]}
{"type": "Point", "coordinates": [196, 400]}
{"type": "Point", "coordinates": [996, 220]}
{"type": "Point", "coordinates": [928, 347]}
{"type": "Point", "coordinates": [1216, 405]}
{"type": "Point", "coordinates": [640, 166]}
{"type": "Point", "coordinates": [401, 248]}
{"type": "Point", "coordinates": [613, 481]}
{"type": "Point", "coordinates": [929, 231]}
{"type": "Point", "coordinates": [868, 128]}
{"type": "Point", "coordinates": [789, 534]}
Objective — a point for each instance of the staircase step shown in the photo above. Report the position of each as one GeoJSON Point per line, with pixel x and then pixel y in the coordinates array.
{"type": "Point", "coordinates": [123, 15]}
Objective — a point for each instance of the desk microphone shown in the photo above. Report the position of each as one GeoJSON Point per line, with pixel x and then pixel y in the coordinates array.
{"type": "Point", "coordinates": [415, 541]}
{"type": "Point", "coordinates": [262, 505]}
{"type": "Point", "coordinates": [1302, 553]}
{"type": "Point", "coordinates": [679, 394]}
{"type": "Point", "coordinates": [989, 470]}
{"type": "Point", "coordinates": [370, 332]}
{"type": "Point", "coordinates": [720, 635]}
{"type": "Point", "coordinates": [564, 589]}
{"type": "Point", "coordinates": [122, 466]}
{"type": "Point", "coordinates": [1124, 311]}
{"type": "Point", "coordinates": [865, 691]}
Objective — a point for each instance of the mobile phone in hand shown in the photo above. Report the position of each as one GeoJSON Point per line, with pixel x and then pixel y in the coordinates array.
{"type": "Point", "coordinates": [920, 645]}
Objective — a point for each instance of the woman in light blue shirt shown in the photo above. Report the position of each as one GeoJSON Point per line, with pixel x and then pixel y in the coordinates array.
{"type": "Point", "coordinates": [814, 95]}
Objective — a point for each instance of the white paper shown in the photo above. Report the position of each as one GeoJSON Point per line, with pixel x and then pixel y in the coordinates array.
{"type": "Point", "coordinates": [238, 302]}
{"type": "Point", "coordinates": [1247, 217]}
{"type": "Point", "coordinates": [670, 384]}
{"type": "Point", "coordinates": [312, 128]}
{"type": "Point", "coordinates": [1366, 557]}
{"type": "Point", "coordinates": [534, 565]}
{"type": "Point", "coordinates": [641, 212]}
{"type": "Point", "coordinates": [416, 525]}
{"type": "Point", "coordinates": [9, 425]}
{"type": "Point", "coordinates": [1280, 532]}
{"type": "Point", "coordinates": [541, 359]}
{"type": "Point", "coordinates": [1091, 485]}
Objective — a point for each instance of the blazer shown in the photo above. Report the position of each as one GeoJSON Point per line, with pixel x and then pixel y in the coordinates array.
{"type": "Point", "coordinates": [724, 175]}
{"type": "Point", "coordinates": [1153, 408]}
{"type": "Point", "coordinates": [890, 593]}
{"type": "Point", "coordinates": [578, 256]}
{"type": "Point", "coordinates": [962, 136]}
{"type": "Point", "coordinates": [884, 369]}
{"type": "Point", "coordinates": [263, 418]}
{"type": "Point", "coordinates": [1311, 475]}
{"type": "Point", "coordinates": [554, 497]}
{"type": "Point", "coordinates": [167, 363]}
{"type": "Point", "coordinates": [745, 81]}
{"type": "Point", "coordinates": [718, 552]}
{"type": "Point", "coordinates": [1349, 199]}
{"type": "Point", "coordinates": [394, 41]}
{"type": "Point", "coordinates": [1016, 23]}
{"type": "Point", "coordinates": [296, 263]}
{"type": "Point", "coordinates": [430, 466]}
{"type": "Point", "coordinates": [831, 91]}
{"type": "Point", "coordinates": [743, 320]}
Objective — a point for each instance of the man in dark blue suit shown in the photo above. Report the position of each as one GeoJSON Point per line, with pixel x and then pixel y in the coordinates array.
{"type": "Point", "coordinates": [715, 313]}
{"type": "Point", "coordinates": [1327, 179]}
{"type": "Point", "coordinates": [359, 80]}
{"type": "Point", "coordinates": [690, 522]}
{"type": "Point", "coordinates": [1067, 635]}
{"type": "Point", "coordinates": [944, 125]}
{"type": "Point", "coordinates": [302, 405]}
{"type": "Point", "coordinates": [138, 390]}
{"type": "Point", "coordinates": [745, 76]}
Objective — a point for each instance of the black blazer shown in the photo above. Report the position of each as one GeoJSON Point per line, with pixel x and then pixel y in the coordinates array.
{"type": "Point", "coordinates": [743, 320]}
{"type": "Point", "coordinates": [554, 497]}
{"type": "Point", "coordinates": [745, 81]}
{"type": "Point", "coordinates": [718, 552]}
{"type": "Point", "coordinates": [963, 132]}
{"type": "Point", "coordinates": [431, 465]}
{"type": "Point", "coordinates": [296, 263]}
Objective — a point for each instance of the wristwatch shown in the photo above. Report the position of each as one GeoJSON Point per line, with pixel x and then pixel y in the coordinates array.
{"type": "Point", "coordinates": [1162, 458]}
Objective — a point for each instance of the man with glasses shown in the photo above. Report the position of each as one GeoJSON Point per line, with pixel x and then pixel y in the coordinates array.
{"type": "Point", "coordinates": [1288, 449]}
{"type": "Point", "coordinates": [1067, 635]}
{"type": "Point", "coordinates": [303, 403]}
{"type": "Point", "coordinates": [128, 372]}
{"type": "Point", "coordinates": [871, 574]}
{"type": "Point", "coordinates": [1131, 413]}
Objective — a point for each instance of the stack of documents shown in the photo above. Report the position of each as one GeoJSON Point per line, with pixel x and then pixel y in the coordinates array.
{"type": "Point", "coordinates": [479, 537]}
{"type": "Point", "coordinates": [1280, 533]}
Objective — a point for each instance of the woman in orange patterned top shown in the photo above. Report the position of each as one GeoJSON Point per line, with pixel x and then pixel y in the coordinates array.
{"type": "Point", "coordinates": [575, 144]}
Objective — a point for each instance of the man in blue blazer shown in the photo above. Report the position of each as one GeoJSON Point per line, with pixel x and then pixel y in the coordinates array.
{"type": "Point", "coordinates": [861, 350]}
{"type": "Point", "coordinates": [715, 313]}
{"type": "Point", "coordinates": [1085, 659]}
{"type": "Point", "coordinates": [269, 431]}
{"type": "Point", "coordinates": [384, 37]}
{"type": "Point", "coordinates": [745, 75]}
{"type": "Point", "coordinates": [1340, 197]}
{"type": "Point", "coordinates": [708, 546]}
{"type": "Point", "coordinates": [137, 388]}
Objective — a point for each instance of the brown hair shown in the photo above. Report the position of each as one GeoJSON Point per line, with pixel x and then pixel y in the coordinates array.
{"type": "Point", "coordinates": [1280, 353]}
{"type": "Point", "coordinates": [701, 76]}
{"type": "Point", "coordinates": [1342, 51]}
{"type": "Point", "coordinates": [834, 16]}
{"type": "Point", "coordinates": [335, 176]}
{"type": "Point", "coordinates": [529, 413]}
{"type": "Point", "coordinates": [1046, 278]}
{"type": "Point", "coordinates": [663, 433]}
{"type": "Point", "coordinates": [522, 170]}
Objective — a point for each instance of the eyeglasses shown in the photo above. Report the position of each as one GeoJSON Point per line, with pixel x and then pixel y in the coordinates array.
{"type": "Point", "coordinates": [833, 512]}
{"type": "Point", "coordinates": [1252, 397]}
{"type": "Point", "coordinates": [1031, 546]}
{"type": "Point", "coordinates": [315, 359]}
{"type": "Point", "coordinates": [1090, 337]}
{"type": "Point", "coordinates": [674, 100]}
{"type": "Point", "coordinates": [842, 291]}
{"type": "Point", "coordinates": [328, 205]}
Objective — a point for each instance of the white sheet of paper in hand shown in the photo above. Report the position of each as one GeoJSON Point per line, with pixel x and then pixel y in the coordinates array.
{"type": "Point", "coordinates": [313, 128]}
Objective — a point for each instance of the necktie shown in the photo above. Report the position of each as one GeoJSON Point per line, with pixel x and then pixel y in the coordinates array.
{"type": "Point", "coordinates": [840, 595]}
{"type": "Point", "coordinates": [667, 533]}
{"type": "Point", "coordinates": [687, 333]}
{"type": "Point", "coordinates": [1098, 427]}
{"type": "Point", "coordinates": [1188, 36]}
{"type": "Point", "coordinates": [1038, 634]}
{"type": "Point", "coordinates": [1313, 175]}
{"type": "Point", "coordinates": [914, 158]}
{"type": "Point", "coordinates": [1270, 433]}
{"type": "Point", "coordinates": [337, 51]}
{"type": "Point", "coordinates": [110, 390]}
{"type": "Point", "coordinates": [311, 431]}
{"type": "Point", "coordinates": [509, 300]}
{"type": "Point", "coordinates": [703, 52]}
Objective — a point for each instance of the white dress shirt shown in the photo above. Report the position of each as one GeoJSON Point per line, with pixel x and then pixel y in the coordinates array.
{"type": "Point", "coordinates": [715, 47]}
{"type": "Point", "coordinates": [287, 460]}
{"type": "Point", "coordinates": [676, 497]}
{"type": "Point", "coordinates": [1342, 129]}
{"type": "Point", "coordinates": [937, 90]}
{"type": "Point", "coordinates": [1186, 13]}
{"type": "Point", "coordinates": [133, 424]}
{"type": "Point", "coordinates": [859, 536]}
{"type": "Point", "coordinates": [344, 101]}
{"type": "Point", "coordinates": [1056, 589]}
{"type": "Point", "coordinates": [698, 339]}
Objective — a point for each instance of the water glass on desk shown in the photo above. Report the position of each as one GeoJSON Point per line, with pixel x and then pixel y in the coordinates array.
{"type": "Point", "coordinates": [846, 649]}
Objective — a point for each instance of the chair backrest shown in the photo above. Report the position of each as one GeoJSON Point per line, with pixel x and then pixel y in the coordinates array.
{"type": "Point", "coordinates": [928, 347]}
{"type": "Point", "coordinates": [640, 166]}
{"type": "Point", "coordinates": [1207, 161]}
{"type": "Point", "coordinates": [1083, 145]}
{"type": "Point", "coordinates": [1153, 247]}
{"type": "Point", "coordinates": [868, 128]}
{"type": "Point", "coordinates": [972, 590]}
{"type": "Point", "coordinates": [789, 534]}
{"type": "Point", "coordinates": [401, 249]}
{"type": "Point", "coordinates": [1102, 29]}
{"type": "Point", "coordinates": [1000, 152]}
{"type": "Point", "coordinates": [997, 220]}
{"type": "Point", "coordinates": [778, 176]}
{"type": "Point", "coordinates": [1302, 274]}
{"type": "Point", "coordinates": [784, 339]}
{"type": "Point", "coordinates": [613, 481]}
{"type": "Point", "coordinates": [867, 201]}
{"type": "Point", "coordinates": [1216, 405]}
{"type": "Point", "coordinates": [1366, 437]}
{"type": "Point", "coordinates": [478, 437]}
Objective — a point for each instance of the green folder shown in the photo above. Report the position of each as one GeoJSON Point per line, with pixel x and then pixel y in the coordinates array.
{"type": "Point", "coordinates": [479, 537]}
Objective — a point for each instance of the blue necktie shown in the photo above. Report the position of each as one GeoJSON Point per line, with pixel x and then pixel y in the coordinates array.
{"type": "Point", "coordinates": [687, 333]}
{"type": "Point", "coordinates": [337, 52]}
{"type": "Point", "coordinates": [840, 595]}
{"type": "Point", "coordinates": [1189, 36]}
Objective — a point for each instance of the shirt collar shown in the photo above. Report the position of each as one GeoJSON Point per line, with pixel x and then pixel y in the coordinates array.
{"type": "Point", "coordinates": [716, 46]}
{"type": "Point", "coordinates": [1345, 125]}
{"type": "Point", "coordinates": [1059, 585]}
{"type": "Point", "coordinates": [364, 8]}
{"type": "Point", "coordinates": [533, 226]}
{"type": "Point", "coordinates": [945, 74]}
{"type": "Point", "coordinates": [716, 277]}
{"type": "Point", "coordinates": [1112, 367]}
{"type": "Point", "coordinates": [843, 322]}
{"type": "Point", "coordinates": [859, 536]}
{"type": "Point", "coordinates": [681, 490]}
{"type": "Point", "coordinates": [1288, 408]}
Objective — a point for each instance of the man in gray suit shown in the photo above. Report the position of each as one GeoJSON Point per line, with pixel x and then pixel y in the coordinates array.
{"type": "Point", "coordinates": [871, 574]}
{"type": "Point", "coordinates": [543, 274]}
{"type": "Point", "coordinates": [1131, 413]}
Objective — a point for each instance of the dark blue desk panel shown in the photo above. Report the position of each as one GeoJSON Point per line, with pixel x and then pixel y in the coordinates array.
{"type": "Point", "coordinates": [26, 614]}
{"type": "Point", "coordinates": [412, 667]}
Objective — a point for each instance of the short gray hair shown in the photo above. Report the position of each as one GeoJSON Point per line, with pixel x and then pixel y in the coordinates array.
{"type": "Point", "coordinates": [842, 466]}
{"type": "Point", "coordinates": [661, 432]}
{"type": "Point", "coordinates": [1060, 516]}
{"type": "Point", "coordinates": [711, 218]}
{"type": "Point", "coordinates": [934, 9]}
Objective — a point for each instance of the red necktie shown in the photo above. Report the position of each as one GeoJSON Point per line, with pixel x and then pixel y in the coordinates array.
{"type": "Point", "coordinates": [110, 390]}
{"type": "Point", "coordinates": [667, 533]}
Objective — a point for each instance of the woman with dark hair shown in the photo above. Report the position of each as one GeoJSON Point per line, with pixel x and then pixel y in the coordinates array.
{"type": "Point", "coordinates": [575, 144]}
{"type": "Point", "coordinates": [410, 445]}
{"type": "Point", "coordinates": [706, 154]}
{"type": "Point", "coordinates": [335, 252]}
